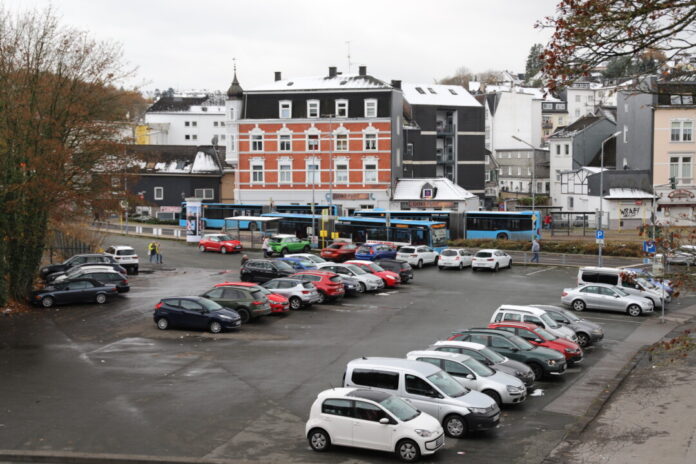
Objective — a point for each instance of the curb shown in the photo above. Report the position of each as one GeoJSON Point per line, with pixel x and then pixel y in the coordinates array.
{"type": "Point", "coordinates": [70, 457]}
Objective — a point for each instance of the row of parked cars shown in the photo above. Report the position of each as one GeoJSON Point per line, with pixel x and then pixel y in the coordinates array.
{"type": "Point", "coordinates": [453, 387]}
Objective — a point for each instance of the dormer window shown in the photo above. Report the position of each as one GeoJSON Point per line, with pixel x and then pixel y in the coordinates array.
{"type": "Point", "coordinates": [341, 108]}
{"type": "Point", "coordinates": [285, 109]}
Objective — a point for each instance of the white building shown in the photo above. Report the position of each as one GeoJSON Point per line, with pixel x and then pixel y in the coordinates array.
{"type": "Point", "coordinates": [438, 193]}
{"type": "Point", "coordinates": [585, 97]}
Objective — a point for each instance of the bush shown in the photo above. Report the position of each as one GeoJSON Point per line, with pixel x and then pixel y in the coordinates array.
{"type": "Point", "coordinates": [571, 247]}
{"type": "Point", "coordinates": [152, 220]}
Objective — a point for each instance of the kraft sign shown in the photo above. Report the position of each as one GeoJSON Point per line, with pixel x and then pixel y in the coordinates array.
{"type": "Point", "coordinates": [629, 211]}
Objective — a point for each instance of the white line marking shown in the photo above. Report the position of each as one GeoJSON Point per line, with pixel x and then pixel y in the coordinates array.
{"type": "Point", "coordinates": [541, 270]}
{"type": "Point", "coordinates": [592, 318]}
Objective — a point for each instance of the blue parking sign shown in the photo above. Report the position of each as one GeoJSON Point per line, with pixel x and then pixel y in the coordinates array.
{"type": "Point", "coordinates": [649, 246]}
{"type": "Point", "coordinates": [599, 235]}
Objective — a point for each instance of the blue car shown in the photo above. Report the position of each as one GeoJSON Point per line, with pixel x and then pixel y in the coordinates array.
{"type": "Point", "coordinates": [298, 263]}
{"type": "Point", "coordinates": [373, 251]}
{"type": "Point", "coordinates": [195, 312]}
{"type": "Point", "coordinates": [665, 284]}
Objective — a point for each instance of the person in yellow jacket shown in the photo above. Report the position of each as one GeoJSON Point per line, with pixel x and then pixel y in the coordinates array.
{"type": "Point", "coordinates": [151, 251]}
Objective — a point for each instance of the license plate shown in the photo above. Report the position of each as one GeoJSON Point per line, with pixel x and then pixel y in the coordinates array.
{"type": "Point", "coordinates": [496, 417]}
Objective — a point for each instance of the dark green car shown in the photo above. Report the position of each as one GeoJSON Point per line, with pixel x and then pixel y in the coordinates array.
{"type": "Point", "coordinates": [542, 361]}
{"type": "Point", "coordinates": [284, 244]}
{"type": "Point", "coordinates": [248, 302]}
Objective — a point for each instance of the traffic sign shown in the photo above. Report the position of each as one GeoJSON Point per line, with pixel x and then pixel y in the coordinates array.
{"type": "Point", "coordinates": [649, 246]}
{"type": "Point", "coordinates": [599, 234]}
{"type": "Point", "coordinates": [599, 241]}
{"type": "Point", "coordinates": [323, 233]}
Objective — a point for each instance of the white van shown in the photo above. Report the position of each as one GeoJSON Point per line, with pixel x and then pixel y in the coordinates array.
{"type": "Point", "coordinates": [627, 280]}
{"type": "Point", "coordinates": [514, 313]}
{"type": "Point", "coordinates": [429, 389]}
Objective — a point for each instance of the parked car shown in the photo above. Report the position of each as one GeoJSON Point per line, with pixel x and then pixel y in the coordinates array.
{"type": "Point", "coordinates": [249, 303]}
{"type": "Point", "coordinates": [534, 315]}
{"type": "Point", "coordinates": [606, 297]}
{"type": "Point", "coordinates": [658, 282]}
{"type": "Point", "coordinates": [588, 332]}
{"type": "Point", "coordinates": [125, 256]}
{"type": "Point", "coordinates": [503, 388]}
{"type": "Point", "coordinates": [457, 258]}
{"type": "Point", "coordinates": [105, 275]}
{"type": "Point", "coordinates": [372, 419]}
{"type": "Point", "coordinates": [369, 282]}
{"type": "Point", "coordinates": [339, 251]}
{"type": "Point", "coordinates": [278, 302]}
{"type": "Point", "coordinates": [417, 255]}
{"type": "Point", "coordinates": [221, 243]}
{"type": "Point", "coordinates": [402, 268]}
{"type": "Point", "coordinates": [542, 361]}
{"type": "Point", "coordinates": [298, 292]}
{"type": "Point", "coordinates": [263, 270]}
{"type": "Point", "coordinates": [283, 244]}
{"type": "Point", "coordinates": [628, 281]}
{"type": "Point", "coordinates": [390, 279]}
{"type": "Point", "coordinates": [76, 271]}
{"type": "Point", "coordinates": [491, 259]}
{"type": "Point", "coordinates": [685, 254]}
{"type": "Point", "coordinates": [541, 337]}
{"type": "Point", "coordinates": [328, 284]}
{"type": "Point", "coordinates": [429, 389]}
{"type": "Point", "coordinates": [77, 260]}
{"type": "Point", "coordinates": [195, 312]}
{"type": "Point", "coordinates": [373, 251]}
{"type": "Point", "coordinates": [351, 285]}
{"type": "Point", "coordinates": [298, 264]}
{"type": "Point", "coordinates": [304, 260]}
{"type": "Point", "coordinates": [84, 290]}
{"type": "Point", "coordinates": [114, 266]}
{"type": "Point", "coordinates": [490, 358]}
{"type": "Point", "coordinates": [309, 256]}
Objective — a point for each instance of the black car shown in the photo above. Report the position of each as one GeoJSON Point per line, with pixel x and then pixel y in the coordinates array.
{"type": "Point", "coordinates": [402, 268]}
{"type": "Point", "coordinates": [103, 274]}
{"type": "Point", "coordinates": [73, 291]}
{"type": "Point", "coordinates": [81, 260]}
{"type": "Point", "coordinates": [263, 270]}
{"type": "Point", "coordinates": [194, 312]}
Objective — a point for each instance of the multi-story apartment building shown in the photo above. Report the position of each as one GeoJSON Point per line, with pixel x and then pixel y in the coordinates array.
{"type": "Point", "coordinates": [584, 97]}
{"type": "Point", "coordinates": [554, 115]}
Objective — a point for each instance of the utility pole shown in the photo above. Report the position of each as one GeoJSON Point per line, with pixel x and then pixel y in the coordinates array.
{"type": "Point", "coordinates": [331, 170]}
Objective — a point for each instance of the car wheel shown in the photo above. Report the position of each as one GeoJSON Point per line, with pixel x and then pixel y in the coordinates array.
{"type": "Point", "coordinates": [537, 370]}
{"type": "Point", "coordinates": [101, 298]}
{"type": "Point", "coordinates": [583, 339]}
{"type": "Point", "coordinates": [47, 301]}
{"type": "Point", "coordinates": [496, 268]}
{"type": "Point", "coordinates": [295, 303]}
{"type": "Point", "coordinates": [461, 266]}
{"type": "Point", "coordinates": [215, 327]}
{"type": "Point", "coordinates": [362, 288]}
{"type": "Point", "coordinates": [509, 266]}
{"type": "Point", "coordinates": [578, 305]}
{"type": "Point", "coordinates": [135, 270]}
{"type": "Point", "coordinates": [473, 269]}
{"type": "Point", "coordinates": [420, 264]}
{"type": "Point", "coordinates": [319, 440]}
{"type": "Point", "coordinates": [455, 426]}
{"type": "Point", "coordinates": [283, 252]}
{"type": "Point", "coordinates": [201, 248]}
{"type": "Point", "coordinates": [306, 249]}
{"type": "Point", "coordinates": [634, 310]}
{"type": "Point", "coordinates": [494, 394]}
{"type": "Point", "coordinates": [502, 236]}
{"type": "Point", "coordinates": [244, 315]}
{"type": "Point", "coordinates": [440, 267]}
{"type": "Point", "coordinates": [253, 226]}
{"type": "Point", "coordinates": [223, 250]}
{"type": "Point", "coordinates": [322, 298]}
{"type": "Point", "coordinates": [162, 323]}
{"type": "Point", "coordinates": [407, 450]}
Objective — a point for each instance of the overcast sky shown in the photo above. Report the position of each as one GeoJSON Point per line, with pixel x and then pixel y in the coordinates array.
{"type": "Point", "coordinates": [190, 44]}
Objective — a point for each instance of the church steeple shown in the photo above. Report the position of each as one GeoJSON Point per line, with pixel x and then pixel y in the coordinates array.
{"type": "Point", "coordinates": [235, 90]}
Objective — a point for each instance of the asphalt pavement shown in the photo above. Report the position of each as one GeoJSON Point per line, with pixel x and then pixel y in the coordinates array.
{"type": "Point", "coordinates": [103, 379]}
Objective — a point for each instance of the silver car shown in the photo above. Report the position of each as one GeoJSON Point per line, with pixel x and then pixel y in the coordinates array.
{"type": "Point", "coordinates": [298, 292]}
{"type": "Point", "coordinates": [588, 332]}
{"type": "Point", "coordinates": [607, 297]}
{"type": "Point", "coordinates": [308, 256]}
{"type": "Point", "coordinates": [369, 282]}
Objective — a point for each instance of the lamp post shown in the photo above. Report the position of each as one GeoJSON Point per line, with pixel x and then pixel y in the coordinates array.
{"type": "Point", "coordinates": [331, 173]}
{"type": "Point", "coordinates": [601, 192]}
{"type": "Point", "coordinates": [532, 189]}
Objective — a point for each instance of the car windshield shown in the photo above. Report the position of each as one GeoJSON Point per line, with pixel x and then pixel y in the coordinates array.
{"type": "Point", "coordinates": [492, 356]}
{"type": "Point", "coordinates": [259, 294]}
{"type": "Point", "coordinates": [276, 239]}
{"type": "Point", "coordinates": [571, 316]}
{"type": "Point", "coordinates": [549, 321]}
{"type": "Point", "coordinates": [449, 253]}
{"type": "Point", "coordinates": [364, 250]}
{"type": "Point", "coordinates": [283, 266]}
{"type": "Point", "coordinates": [483, 254]}
{"type": "Point", "coordinates": [400, 408]}
{"type": "Point", "coordinates": [263, 290]}
{"type": "Point", "coordinates": [335, 278]}
{"type": "Point", "coordinates": [304, 261]}
{"type": "Point", "coordinates": [376, 267]}
{"type": "Point", "coordinates": [335, 246]}
{"type": "Point", "coordinates": [308, 285]}
{"type": "Point", "coordinates": [478, 368]}
{"type": "Point", "coordinates": [447, 384]}
{"type": "Point", "coordinates": [407, 250]}
{"type": "Point", "coordinates": [316, 259]}
{"type": "Point", "coordinates": [620, 292]}
{"type": "Point", "coordinates": [126, 252]}
{"type": "Point", "coordinates": [546, 334]}
{"type": "Point", "coordinates": [645, 283]}
{"type": "Point", "coordinates": [210, 305]}
{"type": "Point", "coordinates": [355, 269]}
{"type": "Point", "coordinates": [521, 343]}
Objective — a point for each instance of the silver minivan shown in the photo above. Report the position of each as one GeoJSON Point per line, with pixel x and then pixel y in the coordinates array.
{"type": "Point", "coordinates": [429, 389]}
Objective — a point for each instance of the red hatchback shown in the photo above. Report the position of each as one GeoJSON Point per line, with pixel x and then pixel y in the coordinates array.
{"type": "Point", "coordinates": [328, 284]}
{"type": "Point", "coordinates": [279, 304]}
{"type": "Point", "coordinates": [219, 242]}
{"type": "Point", "coordinates": [541, 337]}
{"type": "Point", "coordinates": [339, 252]}
{"type": "Point", "coordinates": [391, 279]}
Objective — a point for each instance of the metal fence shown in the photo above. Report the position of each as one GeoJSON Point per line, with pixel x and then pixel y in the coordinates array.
{"type": "Point", "coordinates": [62, 246]}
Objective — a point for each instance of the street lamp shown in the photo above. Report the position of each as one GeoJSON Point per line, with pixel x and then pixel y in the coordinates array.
{"type": "Point", "coordinates": [331, 180]}
{"type": "Point", "coordinates": [601, 192]}
{"type": "Point", "coordinates": [533, 172]}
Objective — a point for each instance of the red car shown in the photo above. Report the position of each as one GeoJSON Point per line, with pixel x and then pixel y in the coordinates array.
{"type": "Point", "coordinates": [279, 304]}
{"type": "Point", "coordinates": [391, 279]}
{"type": "Point", "coordinates": [541, 337]}
{"type": "Point", "coordinates": [339, 252]}
{"type": "Point", "coordinates": [328, 283]}
{"type": "Point", "coordinates": [219, 242]}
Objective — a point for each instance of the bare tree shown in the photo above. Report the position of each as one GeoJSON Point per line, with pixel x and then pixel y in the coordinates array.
{"type": "Point", "coordinates": [461, 76]}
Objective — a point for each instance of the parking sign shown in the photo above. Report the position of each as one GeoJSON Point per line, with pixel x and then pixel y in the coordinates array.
{"type": "Point", "coordinates": [599, 237]}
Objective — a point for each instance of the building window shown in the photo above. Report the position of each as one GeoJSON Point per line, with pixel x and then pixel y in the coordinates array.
{"type": "Point", "coordinates": [194, 137]}
{"type": "Point", "coordinates": [681, 131]}
{"type": "Point", "coordinates": [159, 193]}
{"type": "Point", "coordinates": [194, 124]}
{"type": "Point", "coordinates": [341, 142]}
{"type": "Point", "coordinates": [285, 109]}
{"type": "Point", "coordinates": [232, 143]}
{"type": "Point", "coordinates": [257, 172]}
{"type": "Point", "coordinates": [558, 174]}
{"type": "Point", "coordinates": [547, 106]}
{"type": "Point", "coordinates": [590, 99]}
{"type": "Point", "coordinates": [257, 142]}
{"type": "Point", "coordinates": [370, 142]}
{"type": "Point", "coordinates": [312, 108]}
{"type": "Point", "coordinates": [284, 142]}
{"type": "Point", "coordinates": [313, 142]}
{"type": "Point", "coordinates": [206, 194]}
{"type": "Point", "coordinates": [370, 108]}
{"type": "Point", "coordinates": [577, 112]}
{"type": "Point", "coordinates": [222, 123]}
{"type": "Point", "coordinates": [570, 202]}
{"type": "Point", "coordinates": [342, 172]}
{"type": "Point", "coordinates": [215, 123]}
{"type": "Point", "coordinates": [567, 149]}
{"type": "Point", "coordinates": [519, 170]}
{"type": "Point", "coordinates": [370, 172]}
{"type": "Point", "coordinates": [538, 187]}
{"type": "Point", "coordinates": [409, 149]}
{"type": "Point", "coordinates": [488, 175]}
{"type": "Point", "coordinates": [529, 171]}
{"type": "Point", "coordinates": [285, 172]}
{"type": "Point", "coordinates": [313, 174]}
{"type": "Point", "coordinates": [341, 108]}
{"type": "Point", "coordinates": [625, 134]}
{"type": "Point", "coordinates": [232, 114]}
{"type": "Point", "coordinates": [509, 170]}
{"type": "Point", "coordinates": [681, 168]}
{"type": "Point", "coordinates": [577, 99]}
{"type": "Point", "coordinates": [187, 137]}
{"type": "Point", "coordinates": [187, 123]}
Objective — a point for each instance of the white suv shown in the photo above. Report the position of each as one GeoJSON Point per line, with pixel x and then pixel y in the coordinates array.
{"type": "Point", "coordinates": [368, 282]}
{"type": "Point", "coordinates": [491, 259]}
{"type": "Point", "coordinates": [125, 256]}
{"type": "Point", "coordinates": [417, 255]}
{"type": "Point", "coordinates": [372, 419]}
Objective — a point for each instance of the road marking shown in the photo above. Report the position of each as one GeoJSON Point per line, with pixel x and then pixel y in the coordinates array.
{"type": "Point", "coordinates": [592, 318]}
{"type": "Point", "coordinates": [541, 270]}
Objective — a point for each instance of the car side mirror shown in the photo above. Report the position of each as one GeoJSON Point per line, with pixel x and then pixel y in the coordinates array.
{"type": "Point", "coordinates": [616, 296]}
{"type": "Point", "coordinates": [514, 349]}
{"type": "Point", "coordinates": [537, 340]}
{"type": "Point", "coordinates": [384, 421]}
{"type": "Point", "coordinates": [470, 376]}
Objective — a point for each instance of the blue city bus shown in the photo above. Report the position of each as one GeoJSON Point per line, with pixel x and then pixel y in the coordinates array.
{"type": "Point", "coordinates": [503, 225]}
{"type": "Point", "coordinates": [412, 215]}
{"type": "Point", "coordinates": [265, 225]}
{"type": "Point", "coordinates": [214, 214]}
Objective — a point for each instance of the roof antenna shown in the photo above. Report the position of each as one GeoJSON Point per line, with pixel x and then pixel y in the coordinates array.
{"type": "Point", "coordinates": [349, 63]}
{"type": "Point", "coordinates": [332, 387]}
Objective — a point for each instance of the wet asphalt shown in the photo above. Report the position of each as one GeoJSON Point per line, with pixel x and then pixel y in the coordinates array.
{"type": "Point", "coordinates": [104, 379]}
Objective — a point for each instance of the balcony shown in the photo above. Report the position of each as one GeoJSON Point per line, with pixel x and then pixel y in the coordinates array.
{"type": "Point", "coordinates": [444, 128]}
{"type": "Point", "coordinates": [444, 155]}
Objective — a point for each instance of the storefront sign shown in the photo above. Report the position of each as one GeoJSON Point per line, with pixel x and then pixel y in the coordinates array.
{"type": "Point", "coordinates": [194, 221]}
{"type": "Point", "coordinates": [432, 204]}
{"type": "Point", "coordinates": [351, 196]}
{"type": "Point", "coordinates": [170, 209]}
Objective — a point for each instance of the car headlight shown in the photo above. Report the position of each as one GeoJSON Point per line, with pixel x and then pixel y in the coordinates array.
{"type": "Point", "coordinates": [597, 331]}
{"type": "Point", "coordinates": [478, 410]}
{"type": "Point", "coordinates": [390, 277]}
{"type": "Point", "coordinates": [569, 350]}
{"type": "Point", "coordinates": [222, 316]}
{"type": "Point", "coordinates": [514, 389]}
{"type": "Point", "coordinates": [551, 362]}
{"type": "Point", "coordinates": [424, 433]}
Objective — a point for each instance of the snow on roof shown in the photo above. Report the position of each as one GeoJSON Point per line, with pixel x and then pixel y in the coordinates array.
{"type": "Point", "coordinates": [474, 86]}
{"type": "Point", "coordinates": [341, 81]}
{"type": "Point", "coordinates": [627, 193]}
{"type": "Point", "coordinates": [435, 94]}
{"type": "Point", "coordinates": [537, 93]}
{"type": "Point", "coordinates": [204, 162]}
{"type": "Point", "coordinates": [410, 189]}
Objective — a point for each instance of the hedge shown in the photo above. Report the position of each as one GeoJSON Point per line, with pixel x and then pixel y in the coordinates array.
{"type": "Point", "coordinates": [577, 247]}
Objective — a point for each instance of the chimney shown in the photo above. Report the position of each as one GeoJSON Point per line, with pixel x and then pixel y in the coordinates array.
{"type": "Point", "coordinates": [277, 76]}
{"type": "Point", "coordinates": [362, 70]}
{"type": "Point", "coordinates": [332, 71]}
{"type": "Point", "coordinates": [396, 84]}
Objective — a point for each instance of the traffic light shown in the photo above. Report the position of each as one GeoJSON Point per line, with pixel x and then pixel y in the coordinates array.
{"type": "Point", "coordinates": [673, 182]}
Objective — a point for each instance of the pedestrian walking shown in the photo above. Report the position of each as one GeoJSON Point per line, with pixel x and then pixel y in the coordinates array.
{"type": "Point", "coordinates": [158, 252]}
{"type": "Point", "coordinates": [266, 248]}
{"type": "Point", "coordinates": [245, 258]}
{"type": "Point", "coordinates": [536, 247]}
{"type": "Point", "coordinates": [547, 221]}
{"type": "Point", "coordinates": [151, 251]}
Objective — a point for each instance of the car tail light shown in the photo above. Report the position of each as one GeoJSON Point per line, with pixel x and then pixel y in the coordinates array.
{"type": "Point", "coordinates": [306, 292]}
{"type": "Point", "coordinates": [124, 281]}
{"type": "Point", "coordinates": [564, 294]}
{"type": "Point", "coordinates": [414, 256]}
{"type": "Point", "coordinates": [457, 258]}
{"type": "Point", "coordinates": [372, 251]}
{"type": "Point", "coordinates": [135, 257]}
{"type": "Point", "coordinates": [490, 259]}
{"type": "Point", "coordinates": [158, 305]}
{"type": "Point", "coordinates": [257, 302]}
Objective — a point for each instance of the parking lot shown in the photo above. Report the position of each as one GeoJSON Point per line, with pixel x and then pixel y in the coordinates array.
{"type": "Point", "coordinates": [104, 379]}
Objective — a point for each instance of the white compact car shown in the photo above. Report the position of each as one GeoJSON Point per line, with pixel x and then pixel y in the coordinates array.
{"type": "Point", "coordinates": [125, 256]}
{"type": "Point", "coordinates": [491, 259]}
{"type": "Point", "coordinates": [369, 282]}
{"type": "Point", "coordinates": [372, 419]}
{"type": "Point", "coordinates": [417, 255]}
{"type": "Point", "coordinates": [534, 315]}
{"type": "Point", "coordinates": [458, 258]}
